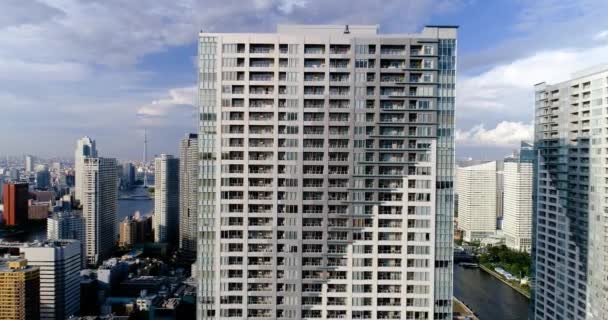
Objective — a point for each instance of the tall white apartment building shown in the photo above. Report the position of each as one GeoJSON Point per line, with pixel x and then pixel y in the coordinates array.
{"type": "Point", "coordinates": [99, 207]}
{"type": "Point", "coordinates": [59, 263]}
{"type": "Point", "coordinates": [326, 173]}
{"type": "Point", "coordinates": [29, 164]}
{"type": "Point", "coordinates": [476, 188]}
{"type": "Point", "coordinates": [571, 241]}
{"type": "Point", "coordinates": [85, 147]}
{"type": "Point", "coordinates": [166, 199]}
{"type": "Point", "coordinates": [518, 177]}
{"type": "Point", "coordinates": [188, 191]}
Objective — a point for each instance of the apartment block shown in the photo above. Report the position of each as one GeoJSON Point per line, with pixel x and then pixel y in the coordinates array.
{"type": "Point", "coordinates": [518, 176]}
{"type": "Point", "coordinates": [188, 191]}
{"type": "Point", "coordinates": [476, 186]}
{"type": "Point", "coordinates": [99, 207]}
{"type": "Point", "coordinates": [326, 173]}
{"type": "Point", "coordinates": [165, 221]}
{"type": "Point", "coordinates": [570, 218]}
{"type": "Point", "coordinates": [15, 197]}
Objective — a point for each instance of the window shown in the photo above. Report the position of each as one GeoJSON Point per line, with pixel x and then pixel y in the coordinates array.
{"type": "Point", "coordinates": [361, 63]}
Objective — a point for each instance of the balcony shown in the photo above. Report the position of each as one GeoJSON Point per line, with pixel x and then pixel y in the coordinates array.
{"type": "Point", "coordinates": [339, 63]}
{"type": "Point", "coordinates": [261, 48]}
{"type": "Point", "coordinates": [262, 90]}
{"type": "Point", "coordinates": [316, 90]}
{"type": "Point", "coordinates": [339, 91]}
{"type": "Point", "coordinates": [261, 103]}
{"type": "Point", "coordinates": [339, 49]}
{"type": "Point", "coordinates": [261, 63]}
{"type": "Point", "coordinates": [261, 76]}
{"type": "Point", "coordinates": [392, 49]}
{"type": "Point", "coordinates": [314, 63]}
{"type": "Point", "coordinates": [314, 49]}
{"type": "Point", "coordinates": [314, 76]}
{"type": "Point", "coordinates": [392, 64]}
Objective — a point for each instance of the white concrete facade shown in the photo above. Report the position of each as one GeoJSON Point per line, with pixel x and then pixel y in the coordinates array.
{"type": "Point", "coordinates": [166, 199]}
{"type": "Point", "coordinates": [517, 213]}
{"type": "Point", "coordinates": [85, 147]}
{"type": "Point", "coordinates": [99, 207]}
{"type": "Point", "coordinates": [476, 189]}
{"type": "Point", "coordinates": [326, 174]}
{"type": "Point", "coordinates": [571, 211]}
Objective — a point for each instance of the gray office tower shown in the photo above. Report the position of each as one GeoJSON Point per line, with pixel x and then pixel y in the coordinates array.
{"type": "Point", "coordinates": [326, 173]}
{"type": "Point", "coordinates": [569, 233]}
{"type": "Point", "coordinates": [188, 190]}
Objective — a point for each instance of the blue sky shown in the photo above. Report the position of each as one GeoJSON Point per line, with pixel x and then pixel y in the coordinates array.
{"type": "Point", "coordinates": [109, 68]}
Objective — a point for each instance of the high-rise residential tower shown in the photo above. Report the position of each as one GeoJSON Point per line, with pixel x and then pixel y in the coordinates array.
{"type": "Point", "coordinates": [476, 188]}
{"type": "Point", "coordinates": [166, 199]}
{"type": "Point", "coordinates": [571, 213]}
{"type": "Point", "coordinates": [29, 164]}
{"type": "Point", "coordinates": [188, 190]}
{"type": "Point", "coordinates": [85, 147]}
{"type": "Point", "coordinates": [518, 189]}
{"type": "Point", "coordinates": [326, 173]}
{"type": "Point", "coordinates": [99, 207]}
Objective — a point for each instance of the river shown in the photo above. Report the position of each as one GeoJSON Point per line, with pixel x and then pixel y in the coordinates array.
{"type": "Point", "coordinates": [37, 230]}
{"type": "Point", "coordinates": [489, 298]}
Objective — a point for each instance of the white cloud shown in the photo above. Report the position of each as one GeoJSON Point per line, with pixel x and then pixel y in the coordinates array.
{"type": "Point", "coordinates": [601, 35]}
{"type": "Point", "coordinates": [505, 134]}
{"type": "Point", "coordinates": [176, 106]}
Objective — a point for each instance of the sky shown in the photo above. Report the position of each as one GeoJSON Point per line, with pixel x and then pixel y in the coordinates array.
{"type": "Point", "coordinates": [110, 68]}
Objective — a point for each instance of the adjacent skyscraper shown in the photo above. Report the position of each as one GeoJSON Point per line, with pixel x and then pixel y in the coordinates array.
{"type": "Point", "coordinates": [19, 290]}
{"type": "Point", "coordinates": [59, 264]}
{"type": "Point", "coordinates": [85, 147]}
{"type": "Point", "coordinates": [66, 226]}
{"type": "Point", "coordinates": [15, 197]}
{"type": "Point", "coordinates": [326, 180]}
{"type": "Point", "coordinates": [518, 189]}
{"type": "Point", "coordinates": [99, 205]}
{"type": "Point", "coordinates": [476, 188]}
{"type": "Point", "coordinates": [188, 183]}
{"type": "Point", "coordinates": [166, 199]}
{"type": "Point", "coordinates": [570, 236]}
{"type": "Point", "coordinates": [43, 177]}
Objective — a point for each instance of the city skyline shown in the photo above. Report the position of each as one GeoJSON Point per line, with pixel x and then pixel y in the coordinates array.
{"type": "Point", "coordinates": [148, 82]}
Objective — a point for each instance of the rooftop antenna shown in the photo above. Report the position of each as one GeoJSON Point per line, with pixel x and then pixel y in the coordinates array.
{"type": "Point", "coordinates": [346, 31]}
{"type": "Point", "coordinates": [145, 158]}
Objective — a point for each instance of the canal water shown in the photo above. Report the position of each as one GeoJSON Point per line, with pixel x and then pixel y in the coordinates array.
{"type": "Point", "coordinates": [37, 230]}
{"type": "Point", "coordinates": [487, 296]}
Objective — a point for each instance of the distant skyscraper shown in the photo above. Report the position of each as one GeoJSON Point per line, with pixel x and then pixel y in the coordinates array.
{"type": "Point", "coordinates": [326, 174]}
{"type": "Point", "coordinates": [570, 247]}
{"type": "Point", "coordinates": [59, 264]}
{"type": "Point", "coordinates": [15, 203]}
{"type": "Point", "coordinates": [128, 175]}
{"type": "Point", "coordinates": [188, 189]}
{"type": "Point", "coordinates": [518, 190]}
{"type": "Point", "coordinates": [43, 177]}
{"type": "Point", "coordinates": [99, 207]}
{"type": "Point", "coordinates": [19, 290]}
{"type": "Point", "coordinates": [166, 198]}
{"type": "Point", "coordinates": [67, 226]}
{"type": "Point", "coordinates": [29, 164]}
{"type": "Point", "coordinates": [127, 232]}
{"type": "Point", "coordinates": [85, 147]}
{"type": "Point", "coordinates": [476, 188]}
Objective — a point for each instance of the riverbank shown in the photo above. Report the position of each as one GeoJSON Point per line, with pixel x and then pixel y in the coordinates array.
{"type": "Point", "coordinates": [515, 287]}
{"type": "Point", "coordinates": [463, 310]}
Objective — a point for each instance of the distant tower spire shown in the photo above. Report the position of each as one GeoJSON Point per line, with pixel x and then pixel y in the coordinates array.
{"type": "Point", "coordinates": [145, 157]}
